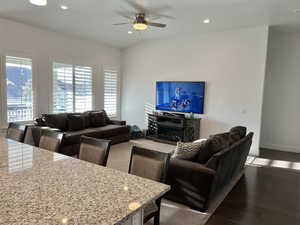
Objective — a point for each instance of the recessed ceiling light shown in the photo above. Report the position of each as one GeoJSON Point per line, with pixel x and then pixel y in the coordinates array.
{"type": "Point", "coordinates": [38, 2]}
{"type": "Point", "coordinates": [206, 21]}
{"type": "Point", "coordinates": [64, 7]}
{"type": "Point", "coordinates": [130, 32]}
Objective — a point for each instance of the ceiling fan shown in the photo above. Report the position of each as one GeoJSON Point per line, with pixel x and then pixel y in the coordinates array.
{"type": "Point", "coordinates": [142, 18]}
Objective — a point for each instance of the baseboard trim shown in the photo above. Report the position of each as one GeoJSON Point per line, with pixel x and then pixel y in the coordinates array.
{"type": "Point", "coordinates": [282, 148]}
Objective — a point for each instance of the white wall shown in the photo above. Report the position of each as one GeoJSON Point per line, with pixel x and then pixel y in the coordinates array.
{"type": "Point", "coordinates": [281, 111]}
{"type": "Point", "coordinates": [44, 47]}
{"type": "Point", "coordinates": [232, 63]}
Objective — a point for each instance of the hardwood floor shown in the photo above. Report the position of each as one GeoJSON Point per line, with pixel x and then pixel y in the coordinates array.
{"type": "Point", "coordinates": [264, 196]}
{"type": "Point", "coordinates": [279, 155]}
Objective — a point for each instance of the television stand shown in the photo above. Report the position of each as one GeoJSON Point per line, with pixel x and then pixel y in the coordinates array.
{"type": "Point", "coordinates": [171, 129]}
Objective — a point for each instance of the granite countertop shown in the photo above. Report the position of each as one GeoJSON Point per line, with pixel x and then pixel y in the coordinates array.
{"type": "Point", "coordinates": [41, 187]}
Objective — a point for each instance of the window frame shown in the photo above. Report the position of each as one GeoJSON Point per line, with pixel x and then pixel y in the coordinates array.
{"type": "Point", "coordinates": [3, 98]}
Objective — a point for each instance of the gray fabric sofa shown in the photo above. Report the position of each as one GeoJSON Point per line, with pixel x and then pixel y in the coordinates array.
{"type": "Point", "coordinates": [197, 182]}
{"type": "Point", "coordinates": [74, 125]}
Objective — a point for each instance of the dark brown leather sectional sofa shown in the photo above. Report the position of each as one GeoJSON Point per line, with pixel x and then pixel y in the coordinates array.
{"type": "Point", "coordinates": [73, 125]}
{"type": "Point", "coordinates": [196, 182]}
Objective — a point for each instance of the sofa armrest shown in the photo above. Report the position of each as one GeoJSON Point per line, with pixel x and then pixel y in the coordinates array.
{"type": "Point", "coordinates": [191, 167]}
{"type": "Point", "coordinates": [118, 122]}
{"type": "Point", "coordinates": [190, 179]}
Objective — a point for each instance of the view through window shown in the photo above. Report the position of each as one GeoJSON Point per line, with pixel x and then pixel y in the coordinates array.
{"type": "Point", "coordinates": [19, 89]}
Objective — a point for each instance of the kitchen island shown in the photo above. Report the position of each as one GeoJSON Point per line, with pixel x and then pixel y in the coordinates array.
{"type": "Point", "coordinates": [42, 187]}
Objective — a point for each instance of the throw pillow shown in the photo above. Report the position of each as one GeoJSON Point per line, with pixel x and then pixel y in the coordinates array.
{"type": "Point", "coordinates": [59, 121]}
{"type": "Point", "coordinates": [213, 145]}
{"type": "Point", "coordinates": [241, 131]}
{"type": "Point", "coordinates": [75, 122]}
{"type": "Point", "coordinates": [187, 151]}
{"type": "Point", "coordinates": [236, 134]}
{"type": "Point", "coordinates": [40, 122]}
{"type": "Point", "coordinates": [107, 119]}
{"type": "Point", "coordinates": [97, 119]}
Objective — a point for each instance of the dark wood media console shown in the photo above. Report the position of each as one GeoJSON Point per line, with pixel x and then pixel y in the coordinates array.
{"type": "Point", "coordinates": [171, 129]}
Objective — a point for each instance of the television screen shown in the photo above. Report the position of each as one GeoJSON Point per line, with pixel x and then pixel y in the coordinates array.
{"type": "Point", "coordinates": [184, 97]}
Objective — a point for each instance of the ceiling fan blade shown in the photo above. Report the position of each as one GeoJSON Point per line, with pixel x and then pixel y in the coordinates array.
{"type": "Point", "coordinates": [158, 10]}
{"type": "Point", "coordinates": [139, 8]}
{"type": "Point", "coordinates": [117, 24]}
{"type": "Point", "coordinates": [154, 11]}
{"type": "Point", "coordinates": [161, 25]}
{"type": "Point", "coordinates": [156, 16]}
{"type": "Point", "coordinates": [126, 14]}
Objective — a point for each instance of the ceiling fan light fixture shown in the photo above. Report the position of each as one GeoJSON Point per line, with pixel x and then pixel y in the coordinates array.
{"type": "Point", "coordinates": [140, 26]}
{"type": "Point", "coordinates": [38, 2]}
{"type": "Point", "coordinates": [64, 7]}
{"type": "Point", "coordinates": [206, 21]}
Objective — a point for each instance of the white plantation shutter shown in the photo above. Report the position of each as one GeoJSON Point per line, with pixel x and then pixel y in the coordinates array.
{"type": "Point", "coordinates": [63, 88]}
{"type": "Point", "coordinates": [111, 93]}
{"type": "Point", "coordinates": [83, 88]}
{"type": "Point", "coordinates": [72, 88]}
{"type": "Point", "coordinates": [19, 93]}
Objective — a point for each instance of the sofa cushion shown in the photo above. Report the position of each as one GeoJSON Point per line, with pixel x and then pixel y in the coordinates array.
{"type": "Point", "coordinates": [86, 117]}
{"type": "Point", "coordinates": [236, 134]}
{"type": "Point", "coordinates": [213, 145]}
{"type": "Point", "coordinates": [73, 137]}
{"type": "Point", "coordinates": [97, 119]}
{"type": "Point", "coordinates": [187, 150]}
{"type": "Point", "coordinates": [107, 119]}
{"type": "Point", "coordinates": [58, 121]}
{"type": "Point", "coordinates": [204, 153]}
{"type": "Point", "coordinates": [110, 131]}
{"type": "Point", "coordinates": [75, 122]}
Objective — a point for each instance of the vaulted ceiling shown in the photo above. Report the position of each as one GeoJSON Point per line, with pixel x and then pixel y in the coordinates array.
{"type": "Point", "coordinates": [93, 19]}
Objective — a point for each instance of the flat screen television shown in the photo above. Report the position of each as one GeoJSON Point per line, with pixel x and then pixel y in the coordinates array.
{"type": "Point", "coordinates": [180, 96]}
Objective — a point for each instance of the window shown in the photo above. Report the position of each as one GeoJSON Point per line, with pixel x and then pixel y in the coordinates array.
{"type": "Point", "coordinates": [62, 88]}
{"type": "Point", "coordinates": [19, 96]}
{"type": "Point", "coordinates": [111, 93]}
{"type": "Point", "coordinates": [72, 88]}
{"type": "Point", "coordinates": [83, 88]}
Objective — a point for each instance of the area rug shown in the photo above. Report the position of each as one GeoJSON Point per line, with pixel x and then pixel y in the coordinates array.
{"type": "Point", "coordinates": [171, 213]}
